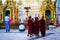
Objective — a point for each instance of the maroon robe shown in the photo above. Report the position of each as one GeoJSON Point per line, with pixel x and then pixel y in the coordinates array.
{"type": "Point", "coordinates": [30, 25]}
{"type": "Point", "coordinates": [36, 27]}
{"type": "Point", "coordinates": [42, 27]}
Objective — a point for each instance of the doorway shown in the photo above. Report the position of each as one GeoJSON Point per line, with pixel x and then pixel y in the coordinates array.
{"type": "Point", "coordinates": [48, 15]}
{"type": "Point", "coordinates": [6, 12]}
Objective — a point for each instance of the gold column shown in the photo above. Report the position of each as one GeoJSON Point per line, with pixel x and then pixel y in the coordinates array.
{"type": "Point", "coordinates": [2, 15]}
{"type": "Point", "coordinates": [40, 12]}
{"type": "Point", "coordinates": [44, 15]}
{"type": "Point", "coordinates": [52, 14]}
{"type": "Point", "coordinates": [16, 15]}
{"type": "Point", "coordinates": [16, 12]}
{"type": "Point", "coordinates": [13, 15]}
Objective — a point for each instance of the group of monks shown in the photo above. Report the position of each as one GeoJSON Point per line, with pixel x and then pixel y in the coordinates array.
{"type": "Point", "coordinates": [36, 26]}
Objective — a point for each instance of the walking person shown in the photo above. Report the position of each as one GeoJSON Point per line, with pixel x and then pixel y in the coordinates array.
{"type": "Point", "coordinates": [30, 26]}
{"type": "Point", "coordinates": [7, 22]}
{"type": "Point", "coordinates": [42, 26]}
{"type": "Point", "coordinates": [36, 27]}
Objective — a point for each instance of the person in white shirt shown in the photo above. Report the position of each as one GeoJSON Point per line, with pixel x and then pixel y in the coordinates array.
{"type": "Point", "coordinates": [7, 19]}
{"type": "Point", "coordinates": [21, 27]}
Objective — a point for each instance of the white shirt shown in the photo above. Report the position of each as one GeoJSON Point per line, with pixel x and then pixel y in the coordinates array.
{"type": "Point", "coordinates": [21, 26]}
{"type": "Point", "coordinates": [7, 18]}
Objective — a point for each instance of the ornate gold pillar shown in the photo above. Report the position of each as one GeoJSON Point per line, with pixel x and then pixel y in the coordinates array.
{"type": "Point", "coordinates": [11, 10]}
{"type": "Point", "coordinates": [16, 15]}
{"type": "Point", "coordinates": [13, 15]}
{"type": "Point", "coordinates": [2, 15]}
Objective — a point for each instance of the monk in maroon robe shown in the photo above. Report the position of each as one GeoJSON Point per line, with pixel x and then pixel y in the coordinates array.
{"type": "Point", "coordinates": [42, 26]}
{"type": "Point", "coordinates": [36, 26]}
{"type": "Point", "coordinates": [30, 26]}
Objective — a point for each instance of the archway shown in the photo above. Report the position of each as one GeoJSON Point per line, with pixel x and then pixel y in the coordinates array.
{"type": "Point", "coordinates": [7, 12]}
{"type": "Point", "coordinates": [48, 15]}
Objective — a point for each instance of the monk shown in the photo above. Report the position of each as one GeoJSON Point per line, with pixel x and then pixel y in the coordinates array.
{"type": "Point", "coordinates": [30, 26]}
{"type": "Point", "coordinates": [36, 26]}
{"type": "Point", "coordinates": [42, 26]}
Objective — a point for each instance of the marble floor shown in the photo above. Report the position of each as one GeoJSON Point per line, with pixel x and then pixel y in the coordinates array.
{"type": "Point", "coordinates": [17, 35]}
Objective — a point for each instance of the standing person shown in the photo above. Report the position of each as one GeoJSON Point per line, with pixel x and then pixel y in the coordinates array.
{"type": "Point", "coordinates": [36, 26]}
{"type": "Point", "coordinates": [30, 24]}
{"type": "Point", "coordinates": [7, 19]}
{"type": "Point", "coordinates": [42, 26]}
